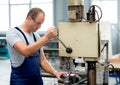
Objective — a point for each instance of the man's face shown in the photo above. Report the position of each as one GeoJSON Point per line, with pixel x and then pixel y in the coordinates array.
{"type": "Point", "coordinates": [37, 22]}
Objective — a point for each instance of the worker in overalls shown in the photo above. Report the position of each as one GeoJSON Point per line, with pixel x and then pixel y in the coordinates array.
{"type": "Point", "coordinates": [26, 53]}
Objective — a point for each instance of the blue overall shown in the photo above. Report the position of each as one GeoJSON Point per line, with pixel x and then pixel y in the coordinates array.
{"type": "Point", "coordinates": [29, 72]}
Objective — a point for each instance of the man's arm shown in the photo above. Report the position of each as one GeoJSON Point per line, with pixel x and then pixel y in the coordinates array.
{"type": "Point", "coordinates": [48, 68]}
{"type": "Point", "coordinates": [27, 50]}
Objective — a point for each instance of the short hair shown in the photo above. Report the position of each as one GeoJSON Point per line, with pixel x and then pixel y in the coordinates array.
{"type": "Point", "coordinates": [34, 12]}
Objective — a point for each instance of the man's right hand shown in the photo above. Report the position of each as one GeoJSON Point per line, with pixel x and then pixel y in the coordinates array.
{"type": "Point", "coordinates": [51, 33]}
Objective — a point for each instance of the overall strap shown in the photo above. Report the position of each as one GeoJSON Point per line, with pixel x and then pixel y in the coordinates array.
{"type": "Point", "coordinates": [34, 37]}
{"type": "Point", "coordinates": [25, 36]}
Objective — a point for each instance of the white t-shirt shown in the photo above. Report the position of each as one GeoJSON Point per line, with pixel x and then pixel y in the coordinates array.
{"type": "Point", "coordinates": [13, 36]}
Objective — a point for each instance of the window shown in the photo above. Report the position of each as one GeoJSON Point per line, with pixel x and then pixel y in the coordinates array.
{"type": "Point", "coordinates": [109, 9]}
{"type": "Point", "coordinates": [18, 14]}
{"type": "Point", "coordinates": [41, 1]}
{"type": "Point", "coordinates": [48, 15]}
{"type": "Point", "coordinates": [15, 12]}
{"type": "Point", "coordinates": [19, 1]}
{"type": "Point", "coordinates": [3, 1]}
{"type": "Point", "coordinates": [4, 19]}
{"type": "Point", "coordinates": [109, 20]}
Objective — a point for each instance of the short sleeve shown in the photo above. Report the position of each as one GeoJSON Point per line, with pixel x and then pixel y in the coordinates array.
{"type": "Point", "coordinates": [13, 36]}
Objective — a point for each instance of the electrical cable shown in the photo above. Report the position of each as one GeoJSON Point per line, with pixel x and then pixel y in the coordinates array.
{"type": "Point", "coordinates": [113, 70]}
{"type": "Point", "coordinates": [109, 64]}
{"type": "Point", "coordinates": [92, 11]}
{"type": "Point", "coordinates": [89, 11]}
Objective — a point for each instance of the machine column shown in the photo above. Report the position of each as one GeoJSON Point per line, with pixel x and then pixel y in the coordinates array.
{"type": "Point", "coordinates": [91, 72]}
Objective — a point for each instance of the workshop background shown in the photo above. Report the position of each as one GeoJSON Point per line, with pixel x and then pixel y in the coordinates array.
{"type": "Point", "coordinates": [13, 12]}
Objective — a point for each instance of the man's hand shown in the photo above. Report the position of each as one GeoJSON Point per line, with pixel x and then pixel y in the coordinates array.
{"type": "Point", "coordinates": [51, 33]}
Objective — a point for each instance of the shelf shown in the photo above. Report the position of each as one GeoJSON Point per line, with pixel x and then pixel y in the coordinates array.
{"type": "Point", "coordinates": [51, 48]}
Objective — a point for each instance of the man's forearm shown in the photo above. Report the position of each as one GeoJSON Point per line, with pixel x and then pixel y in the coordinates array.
{"type": "Point", "coordinates": [48, 68]}
{"type": "Point", "coordinates": [32, 48]}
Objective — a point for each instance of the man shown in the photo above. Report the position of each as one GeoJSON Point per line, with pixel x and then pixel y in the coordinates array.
{"type": "Point", "coordinates": [24, 46]}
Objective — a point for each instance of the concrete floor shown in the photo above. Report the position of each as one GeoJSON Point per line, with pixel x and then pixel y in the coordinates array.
{"type": "Point", "coordinates": [5, 72]}
{"type": "Point", "coordinates": [5, 75]}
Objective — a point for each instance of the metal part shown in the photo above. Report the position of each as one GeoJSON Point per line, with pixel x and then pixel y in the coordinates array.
{"type": "Point", "coordinates": [106, 69]}
{"type": "Point", "coordinates": [75, 10]}
{"type": "Point", "coordinates": [72, 79]}
{"type": "Point", "coordinates": [91, 73]}
{"type": "Point", "coordinates": [68, 49]}
{"type": "Point", "coordinates": [91, 15]}
{"type": "Point", "coordinates": [62, 42]}
{"type": "Point", "coordinates": [3, 41]}
{"type": "Point", "coordinates": [82, 37]}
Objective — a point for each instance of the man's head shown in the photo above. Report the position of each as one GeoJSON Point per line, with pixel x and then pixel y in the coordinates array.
{"type": "Point", "coordinates": [35, 17]}
{"type": "Point", "coordinates": [34, 12]}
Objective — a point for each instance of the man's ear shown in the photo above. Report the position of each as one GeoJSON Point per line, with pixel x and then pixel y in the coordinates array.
{"type": "Point", "coordinates": [29, 17]}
